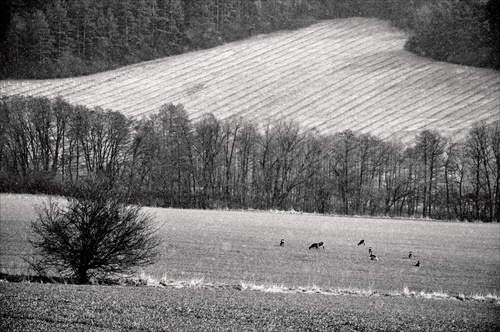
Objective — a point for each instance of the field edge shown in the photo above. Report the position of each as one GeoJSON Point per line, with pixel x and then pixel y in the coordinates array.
{"type": "Point", "coordinates": [144, 280]}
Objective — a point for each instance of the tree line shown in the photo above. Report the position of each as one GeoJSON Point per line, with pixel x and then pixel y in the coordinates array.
{"type": "Point", "coordinates": [61, 38]}
{"type": "Point", "coordinates": [168, 160]}
{"type": "Point", "coordinates": [459, 31]}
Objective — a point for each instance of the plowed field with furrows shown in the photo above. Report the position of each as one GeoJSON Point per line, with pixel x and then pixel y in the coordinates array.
{"type": "Point", "coordinates": [335, 75]}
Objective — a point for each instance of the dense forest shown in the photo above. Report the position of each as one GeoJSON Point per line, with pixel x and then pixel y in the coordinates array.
{"type": "Point", "coordinates": [168, 160]}
{"type": "Point", "coordinates": [60, 38]}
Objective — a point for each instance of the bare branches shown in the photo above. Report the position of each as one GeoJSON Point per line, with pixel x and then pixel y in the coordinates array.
{"type": "Point", "coordinates": [94, 234]}
{"type": "Point", "coordinates": [167, 160]}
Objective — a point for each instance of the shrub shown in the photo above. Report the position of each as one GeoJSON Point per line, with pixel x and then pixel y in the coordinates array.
{"type": "Point", "coordinates": [94, 234]}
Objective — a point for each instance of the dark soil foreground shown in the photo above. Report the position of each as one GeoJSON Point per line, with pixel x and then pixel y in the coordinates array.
{"type": "Point", "coordinates": [57, 307]}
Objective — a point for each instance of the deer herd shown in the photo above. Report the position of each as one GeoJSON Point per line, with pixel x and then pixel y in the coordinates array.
{"type": "Point", "coordinates": [372, 256]}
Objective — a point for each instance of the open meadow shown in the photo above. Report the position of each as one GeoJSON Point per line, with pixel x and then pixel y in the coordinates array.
{"type": "Point", "coordinates": [240, 246]}
{"type": "Point", "coordinates": [222, 256]}
{"type": "Point", "coordinates": [344, 74]}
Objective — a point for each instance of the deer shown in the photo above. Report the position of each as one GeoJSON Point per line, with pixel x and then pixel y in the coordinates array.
{"type": "Point", "coordinates": [317, 245]}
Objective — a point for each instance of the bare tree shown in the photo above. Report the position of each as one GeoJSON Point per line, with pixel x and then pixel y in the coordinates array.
{"type": "Point", "coordinates": [231, 128]}
{"type": "Point", "coordinates": [172, 170]}
{"type": "Point", "coordinates": [246, 146]}
{"type": "Point", "coordinates": [94, 234]}
{"type": "Point", "coordinates": [481, 157]}
{"type": "Point", "coordinates": [346, 145]}
{"type": "Point", "coordinates": [495, 146]}
{"type": "Point", "coordinates": [207, 147]}
{"type": "Point", "coordinates": [431, 146]}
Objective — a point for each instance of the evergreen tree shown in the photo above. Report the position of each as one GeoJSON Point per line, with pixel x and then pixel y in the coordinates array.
{"type": "Point", "coordinates": [39, 39]}
{"type": "Point", "coordinates": [60, 29]}
{"type": "Point", "coordinates": [16, 41]}
{"type": "Point", "coordinates": [87, 36]}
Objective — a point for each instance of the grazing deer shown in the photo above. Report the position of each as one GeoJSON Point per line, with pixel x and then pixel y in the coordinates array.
{"type": "Point", "coordinates": [410, 255]}
{"type": "Point", "coordinates": [418, 264]}
{"type": "Point", "coordinates": [370, 252]}
{"type": "Point", "coordinates": [373, 257]}
{"type": "Point", "coordinates": [282, 242]}
{"type": "Point", "coordinates": [362, 242]}
{"type": "Point", "coordinates": [317, 245]}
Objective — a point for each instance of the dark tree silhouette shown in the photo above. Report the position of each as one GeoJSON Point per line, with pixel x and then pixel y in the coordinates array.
{"type": "Point", "coordinates": [94, 234]}
{"type": "Point", "coordinates": [62, 38]}
{"type": "Point", "coordinates": [167, 160]}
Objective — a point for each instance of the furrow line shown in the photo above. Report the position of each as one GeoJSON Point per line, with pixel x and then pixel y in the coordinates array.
{"type": "Point", "coordinates": [315, 78]}
{"type": "Point", "coordinates": [222, 65]}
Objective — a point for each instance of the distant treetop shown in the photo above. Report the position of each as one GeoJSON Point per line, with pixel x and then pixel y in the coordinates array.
{"type": "Point", "coordinates": [61, 38]}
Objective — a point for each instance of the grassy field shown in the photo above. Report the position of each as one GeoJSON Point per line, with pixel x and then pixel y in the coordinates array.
{"type": "Point", "coordinates": [234, 246]}
{"type": "Point", "coordinates": [336, 75]}
{"type": "Point", "coordinates": [224, 271]}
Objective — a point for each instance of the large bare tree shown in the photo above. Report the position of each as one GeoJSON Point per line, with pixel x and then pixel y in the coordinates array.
{"type": "Point", "coordinates": [94, 234]}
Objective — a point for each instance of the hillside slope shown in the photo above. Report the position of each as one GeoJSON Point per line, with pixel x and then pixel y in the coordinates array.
{"type": "Point", "coordinates": [335, 75]}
